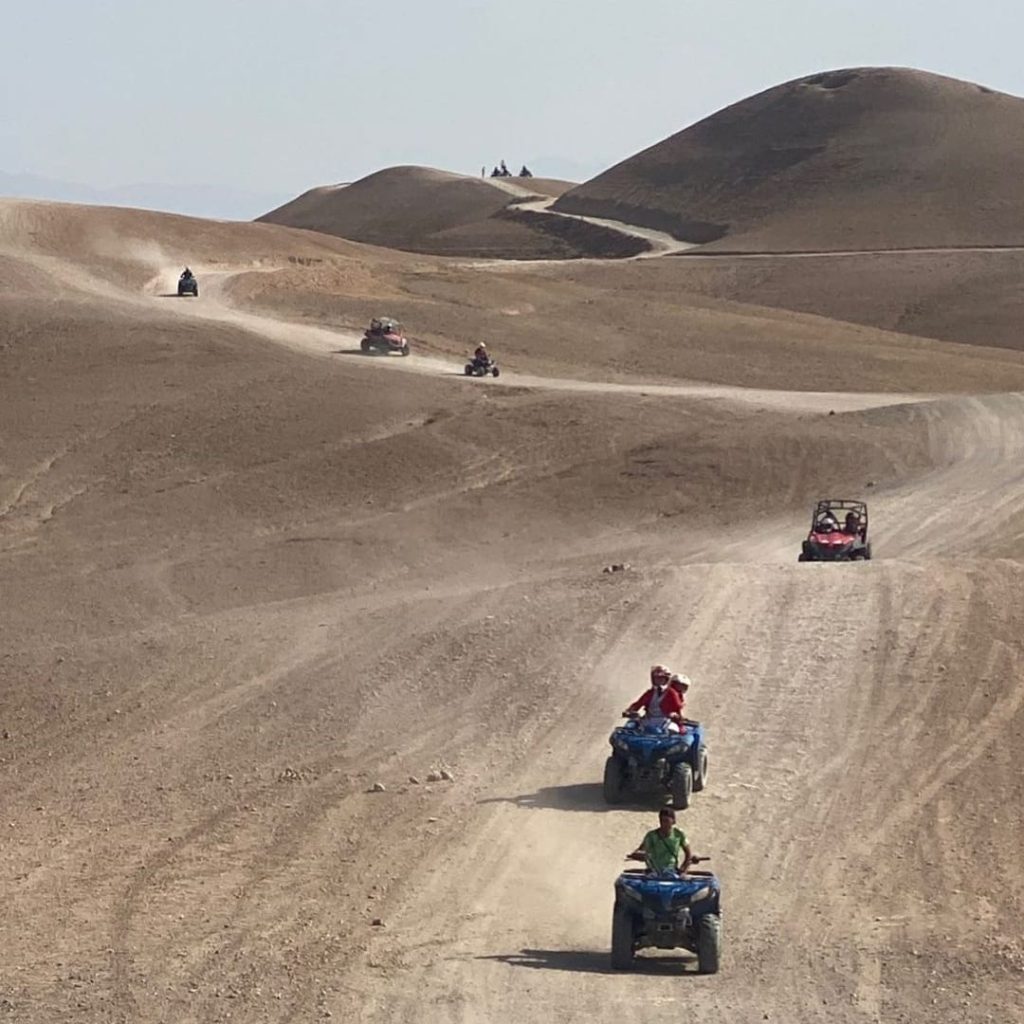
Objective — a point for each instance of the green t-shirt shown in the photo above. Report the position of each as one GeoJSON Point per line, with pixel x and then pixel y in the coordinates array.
{"type": "Point", "coordinates": [664, 852]}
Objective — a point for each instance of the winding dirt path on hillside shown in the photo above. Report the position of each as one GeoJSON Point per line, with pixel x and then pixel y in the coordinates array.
{"type": "Point", "coordinates": [215, 305]}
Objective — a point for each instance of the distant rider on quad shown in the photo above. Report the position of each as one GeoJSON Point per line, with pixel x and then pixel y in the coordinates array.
{"type": "Point", "coordinates": [186, 274]}
{"type": "Point", "coordinates": [661, 703]}
{"type": "Point", "coordinates": [480, 355]}
{"type": "Point", "coordinates": [661, 848]}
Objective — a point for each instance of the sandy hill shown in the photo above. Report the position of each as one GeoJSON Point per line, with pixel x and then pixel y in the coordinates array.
{"type": "Point", "coordinates": [971, 297]}
{"type": "Point", "coordinates": [421, 209]}
{"type": "Point", "coordinates": [258, 588]}
{"type": "Point", "coordinates": [859, 158]}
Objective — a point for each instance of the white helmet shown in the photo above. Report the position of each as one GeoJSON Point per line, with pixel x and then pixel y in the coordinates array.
{"type": "Point", "coordinates": [660, 674]}
{"type": "Point", "coordinates": [680, 680]}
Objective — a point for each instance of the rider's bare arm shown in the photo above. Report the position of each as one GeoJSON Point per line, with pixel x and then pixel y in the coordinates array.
{"type": "Point", "coordinates": [687, 858]}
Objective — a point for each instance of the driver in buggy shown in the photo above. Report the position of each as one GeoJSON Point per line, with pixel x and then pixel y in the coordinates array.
{"type": "Point", "coordinates": [662, 703]}
{"type": "Point", "coordinates": [826, 524]}
{"type": "Point", "coordinates": [852, 523]}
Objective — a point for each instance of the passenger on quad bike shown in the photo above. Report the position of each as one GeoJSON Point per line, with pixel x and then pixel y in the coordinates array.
{"type": "Point", "coordinates": [661, 848]}
{"type": "Point", "coordinates": [680, 684]}
{"type": "Point", "coordinates": [660, 702]}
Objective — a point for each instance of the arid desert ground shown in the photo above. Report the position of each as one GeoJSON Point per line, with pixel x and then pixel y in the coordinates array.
{"type": "Point", "coordinates": [259, 589]}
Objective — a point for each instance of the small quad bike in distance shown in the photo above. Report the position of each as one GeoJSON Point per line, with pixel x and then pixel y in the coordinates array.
{"type": "Point", "coordinates": [839, 532]}
{"type": "Point", "coordinates": [667, 910]}
{"type": "Point", "coordinates": [385, 335]}
{"type": "Point", "coordinates": [187, 284]}
{"type": "Point", "coordinates": [649, 757]}
{"type": "Point", "coordinates": [481, 368]}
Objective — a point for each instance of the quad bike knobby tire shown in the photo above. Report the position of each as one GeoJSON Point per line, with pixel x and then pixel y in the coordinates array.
{"type": "Point", "coordinates": [700, 780]}
{"type": "Point", "coordinates": [681, 786]}
{"type": "Point", "coordinates": [613, 781]}
{"type": "Point", "coordinates": [622, 939]}
{"type": "Point", "coordinates": [709, 943]}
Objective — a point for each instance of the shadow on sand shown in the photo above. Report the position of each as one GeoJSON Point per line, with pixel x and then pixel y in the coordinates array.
{"type": "Point", "coordinates": [578, 961]}
{"type": "Point", "coordinates": [581, 796]}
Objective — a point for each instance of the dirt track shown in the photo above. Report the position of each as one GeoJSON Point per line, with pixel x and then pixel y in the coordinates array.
{"type": "Point", "coordinates": [209, 662]}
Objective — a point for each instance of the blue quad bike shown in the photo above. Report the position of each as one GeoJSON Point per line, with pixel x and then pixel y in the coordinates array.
{"type": "Point", "coordinates": [647, 757]}
{"type": "Point", "coordinates": [667, 911]}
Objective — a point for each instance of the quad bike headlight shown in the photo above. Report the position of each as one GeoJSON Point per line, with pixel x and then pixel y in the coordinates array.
{"type": "Point", "coordinates": [685, 899]}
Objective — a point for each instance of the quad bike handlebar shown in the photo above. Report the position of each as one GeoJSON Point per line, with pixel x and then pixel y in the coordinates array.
{"type": "Point", "coordinates": [636, 855]}
{"type": "Point", "coordinates": [635, 716]}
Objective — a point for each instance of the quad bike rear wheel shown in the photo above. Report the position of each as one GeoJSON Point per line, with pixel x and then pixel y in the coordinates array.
{"type": "Point", "coordinates": [365, 344]}
{"type": "Point", "coordinates": [613, 781]}
{"type": "Point", "coordinates": [709, 943]}
{"type": "Point", "coordinates": [681, 786]}
{"type": "Point", "coordinates": [700, 780]}
{"type": "Point", "coordinates": [622, 939]}
{"type": "Point", "coordinates": [495, 372]}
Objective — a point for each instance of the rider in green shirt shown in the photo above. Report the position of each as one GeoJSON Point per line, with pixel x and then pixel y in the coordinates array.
{"type": "Point", "coordinates": [662, 846]}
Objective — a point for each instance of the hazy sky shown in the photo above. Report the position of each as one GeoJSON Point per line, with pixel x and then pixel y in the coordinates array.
{"type": "Point", "coordinates": [279, 96]}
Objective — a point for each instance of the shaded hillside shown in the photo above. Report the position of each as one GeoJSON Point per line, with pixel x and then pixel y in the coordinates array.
{"type": "Point", "coordinates": [861, 158]}
{"type": "Point", "coordinates": [420, 209]}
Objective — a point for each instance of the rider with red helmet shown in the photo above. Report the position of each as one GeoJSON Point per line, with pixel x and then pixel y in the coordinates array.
{"type": "Point", "coordinates": [661, 701]}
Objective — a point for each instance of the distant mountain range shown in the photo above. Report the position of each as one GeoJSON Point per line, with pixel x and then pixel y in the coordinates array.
{"type": "Point", "coordinates": [219, 202]}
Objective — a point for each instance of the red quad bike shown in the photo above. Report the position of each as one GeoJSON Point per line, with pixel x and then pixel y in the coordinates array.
{"type": "Point", "coordinates": [839, 532]}
{"type": "Point", "coordinates": [385, 335]}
